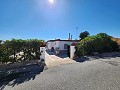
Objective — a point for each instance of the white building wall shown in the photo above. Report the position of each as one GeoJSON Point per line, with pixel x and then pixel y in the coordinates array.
{"type": "Point", "coordinates": [62, 43]}
{"type": "Point", "coordinates": [58, 44]}
{"type": "Point", "coordinates": [50, 45]}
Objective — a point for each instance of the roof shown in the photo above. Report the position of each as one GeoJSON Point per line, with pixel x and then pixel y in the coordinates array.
{"type": "Point", "coordinates": [64, 40]}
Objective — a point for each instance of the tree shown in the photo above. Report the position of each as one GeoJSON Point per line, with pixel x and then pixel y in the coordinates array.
{"type": "Point", "coordinates": [84, 34]}
{"type": "Point", "coordinates": [0, 41]}
{"type": "Point", "coordinates": [18, 49]}
{"type": "Point", "coordinates": [5, 52]}
{"type": "Point", "coordinates": [98, 43]}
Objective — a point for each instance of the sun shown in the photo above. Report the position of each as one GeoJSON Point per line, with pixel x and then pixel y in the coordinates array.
{"type": "Point", "coordinates": [51, 1]}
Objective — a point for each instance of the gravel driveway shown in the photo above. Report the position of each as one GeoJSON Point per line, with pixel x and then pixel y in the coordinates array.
{"type": "Point", "coordinates": [53, 60]}
{"type": "Point", "coordinates": [99, 74]}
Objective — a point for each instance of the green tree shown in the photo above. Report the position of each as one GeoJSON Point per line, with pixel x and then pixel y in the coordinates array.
{"type": "Point", "coordinates": [83, 34]}
{"type": "Point", "coordinates": [98, 43]}
{"type": "Point", "coordinates": [0, 42]}
{"type": "Point", "coordinates": [5, 53]}
{"type": "Point", "coordinates": [10, 50]}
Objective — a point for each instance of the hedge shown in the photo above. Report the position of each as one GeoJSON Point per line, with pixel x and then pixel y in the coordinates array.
{"type": "Point", "coordinates": [10, 50]}
{"type": "Point", "coordinates": [98, 43]}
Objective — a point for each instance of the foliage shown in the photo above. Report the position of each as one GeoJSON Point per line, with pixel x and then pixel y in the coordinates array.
{"type": "Point", "coordinates": [18, 49]}
{"type": "Point", "coordinates": [98, 43]}
{"type": "Point", "coordinates": [84, 34]}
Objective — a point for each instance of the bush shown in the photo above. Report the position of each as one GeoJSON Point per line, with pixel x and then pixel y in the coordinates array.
{"type": "Point", "coordinates": [98, 43]}
{"type": "Point", "coordinates": [10, 48]}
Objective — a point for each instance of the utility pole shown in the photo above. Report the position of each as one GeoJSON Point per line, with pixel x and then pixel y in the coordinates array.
{"type": "Point", "coordinates": [76, 33]}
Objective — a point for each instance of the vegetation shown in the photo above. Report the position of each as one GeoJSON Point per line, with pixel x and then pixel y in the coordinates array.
{"type": "Point", "coordinates": [18, 49]}
{"type": "Point", "coordinates": [98, 43]}
{"type": "Point", "coordinates": [84, 35]}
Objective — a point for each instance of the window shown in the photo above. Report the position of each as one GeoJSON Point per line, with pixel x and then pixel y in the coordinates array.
{"type": "Point", "coordinates": [65, 46]}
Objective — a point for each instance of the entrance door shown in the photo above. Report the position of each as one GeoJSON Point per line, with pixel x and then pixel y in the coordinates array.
{"type": "Point", "coordinates": [68, 50]}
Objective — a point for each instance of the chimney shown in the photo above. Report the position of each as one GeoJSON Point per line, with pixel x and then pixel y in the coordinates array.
{"type": "Point", "coordinates": [71, 37]}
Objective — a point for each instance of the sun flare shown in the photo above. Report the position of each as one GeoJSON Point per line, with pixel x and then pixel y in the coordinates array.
{"type": "Point", "coordinates": [51, 1]}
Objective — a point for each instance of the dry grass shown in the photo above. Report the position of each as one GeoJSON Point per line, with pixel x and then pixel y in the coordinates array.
{"type": "Point", "coordinates": [116, 40]}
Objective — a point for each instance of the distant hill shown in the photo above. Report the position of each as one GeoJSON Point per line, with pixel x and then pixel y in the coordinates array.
{"type": "Point", "coordinates": [116, 39]}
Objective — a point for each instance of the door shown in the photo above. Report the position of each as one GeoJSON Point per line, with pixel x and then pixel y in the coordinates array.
{"type": "Point", "coordinates": [68, 50]}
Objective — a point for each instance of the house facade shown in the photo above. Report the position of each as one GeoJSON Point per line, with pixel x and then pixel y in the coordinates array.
{"type": "Point", "coordinates": [59, 44]}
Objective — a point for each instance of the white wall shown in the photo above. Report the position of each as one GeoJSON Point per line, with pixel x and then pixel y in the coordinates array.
{"type": "Point", "coordinates": [58, 44]}
{"type": "Point", "coordinates": [62, 43]}
{"type": "Point", "coordinates": [50, 45]}
{"type": "Point", "coordinates": [72, 51]}
{"type": "Point", "coordinates": [42, 50]}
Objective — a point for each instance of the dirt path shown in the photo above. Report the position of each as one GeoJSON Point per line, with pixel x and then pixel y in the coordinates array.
{"type": "Point", "coordinates": [53, 60]}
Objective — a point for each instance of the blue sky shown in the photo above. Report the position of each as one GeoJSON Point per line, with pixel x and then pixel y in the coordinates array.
{"type": "Point", "coordinates": [40, 19]}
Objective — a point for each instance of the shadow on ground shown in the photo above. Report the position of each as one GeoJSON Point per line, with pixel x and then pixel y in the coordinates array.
{"type": "Point", "coordinates": [50, 52]}
{"type": "Point", "coordinates": [82, 59]}
{"type": "Point", "coordinates": [63, 54]}
{"type": "Point", "coordinates": [109, 55]}
{"type": "Point", "coordinates": [98, 56]}
{"type": "Point", "coordinates": [19, 75]}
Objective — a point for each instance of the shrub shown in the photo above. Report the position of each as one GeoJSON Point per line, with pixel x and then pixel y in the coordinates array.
{"type": "Point", "coordinates": [98, 43]}
{"type": "Point", "coordinates": [10, 48]}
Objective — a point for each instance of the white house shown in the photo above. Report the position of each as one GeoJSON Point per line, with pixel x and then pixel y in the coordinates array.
{"type": "Point", "coordinates": [59, 44]}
